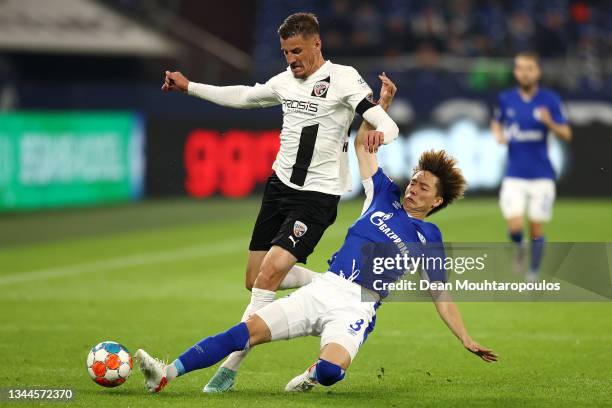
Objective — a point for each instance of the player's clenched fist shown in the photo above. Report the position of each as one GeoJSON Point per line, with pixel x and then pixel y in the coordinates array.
{"type": "Point", "coordinates": [175, 81]}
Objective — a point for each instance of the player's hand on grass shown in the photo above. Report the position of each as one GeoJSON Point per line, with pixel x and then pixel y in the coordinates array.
{"type": "Point", "coordinates": [175, 81]}
{"type": "Point", "coordinates": [373, 140]}
{"type": "Point", "coordinates": [387, 91]}
{"type": "Point", "coordinates": [484, 353]}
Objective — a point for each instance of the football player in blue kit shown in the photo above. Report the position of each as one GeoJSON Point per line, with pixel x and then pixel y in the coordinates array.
{"type": "Point", "coordinates": [523, 119]}
{"type": "Point", "coordinates": [340, 305]}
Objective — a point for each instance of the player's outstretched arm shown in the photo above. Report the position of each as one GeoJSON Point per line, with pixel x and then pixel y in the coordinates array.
{"type": "Point", "coordinates": [448, 311]}
{"type": "Point", "coordinates": [237, 96]}
{"type": "Point", "coordinates": [368, 140]}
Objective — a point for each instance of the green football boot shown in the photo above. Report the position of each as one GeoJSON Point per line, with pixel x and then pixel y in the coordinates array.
{"type": "Point", "coordinates": [222, 381]}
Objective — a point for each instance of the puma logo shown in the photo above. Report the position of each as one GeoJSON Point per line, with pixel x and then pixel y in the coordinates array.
{"type": "Point", "coordinates": [293, 240]}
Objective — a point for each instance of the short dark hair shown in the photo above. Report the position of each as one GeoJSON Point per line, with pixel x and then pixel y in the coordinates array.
{"type": "Point", "coordinates": [451, 184]}
{"type": "Point", "coordinates": [532, 55]}
{"type": "Point", "coordinates": [305, 24]}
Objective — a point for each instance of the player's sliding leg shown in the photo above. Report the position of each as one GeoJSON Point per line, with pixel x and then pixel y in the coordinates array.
{"type": "Point", "coordinates": [537, 251]}
{"type": "Point", "coordinates": [224, 378]}
{"type": "Point", "coordinates": [273, 269]}
{"type": "Point", "coordinates": [333, 362]}
{"type": "Point", "coordinates": [268, 324]}
{"type": "Point", "coordinates": [205, 353]}
{"type": "Point", "coordinates": [346, 326]}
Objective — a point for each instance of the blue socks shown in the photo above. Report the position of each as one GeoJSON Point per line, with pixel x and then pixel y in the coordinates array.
{"type": "Point", "coordinates": [537, 249]}
{"type": "Point", "coordinates": [327, 373]}
{"type": "Point", "coordinates": [516, 237]}
{"type": "Point", "coordinates": [213, 349]}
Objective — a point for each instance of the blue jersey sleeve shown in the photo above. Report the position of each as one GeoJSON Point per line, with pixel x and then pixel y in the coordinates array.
{"type": "Point", "coordinates": [383, 183]}
{"type": "Point", "coordinates": [556, 109]}
{"type": "Point", "coordinates": [376, 185]}
{"type": "Point", "coordinates": [435, 255]}
{"type": "Point", "coordinates": [499, 110]}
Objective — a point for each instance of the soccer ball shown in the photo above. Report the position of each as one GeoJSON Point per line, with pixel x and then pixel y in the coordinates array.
{"type": "Point", "coordinates": [109, 364]}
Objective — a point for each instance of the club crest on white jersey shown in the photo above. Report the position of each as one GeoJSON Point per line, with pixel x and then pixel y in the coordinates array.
{"type": "Point", "coordinates": [320, 88]}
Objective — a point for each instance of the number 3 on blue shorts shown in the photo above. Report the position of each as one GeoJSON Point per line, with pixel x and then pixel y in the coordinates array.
{"type": "Point", "coordinates": [357, 325]}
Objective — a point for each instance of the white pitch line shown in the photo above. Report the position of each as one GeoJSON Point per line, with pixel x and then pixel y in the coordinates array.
{"type": "Point", "coordinates": [143, 258]}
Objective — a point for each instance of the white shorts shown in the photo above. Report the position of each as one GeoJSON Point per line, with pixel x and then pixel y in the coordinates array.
{"type": "Point", "coordinates": [330, 307]}
{"type": "Point", "coordinates": [537, 196]}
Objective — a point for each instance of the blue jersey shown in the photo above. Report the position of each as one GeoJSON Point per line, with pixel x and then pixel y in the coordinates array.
{"type": "Point", "coordinates": [527, 144]}
{"type": "Point", "coordinates": [385, 230]}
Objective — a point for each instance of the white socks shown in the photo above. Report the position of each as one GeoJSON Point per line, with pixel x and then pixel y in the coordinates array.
{"type": "Point", "coordinates": [259, 299]}
{"type": "Point", "coordinates": [297, 277]}
{"type": "Point", "coordinates": [171, 372]}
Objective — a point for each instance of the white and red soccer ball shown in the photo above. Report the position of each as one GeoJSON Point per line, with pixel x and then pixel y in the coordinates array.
{"type": "Point", "coordinates": [109, 364]}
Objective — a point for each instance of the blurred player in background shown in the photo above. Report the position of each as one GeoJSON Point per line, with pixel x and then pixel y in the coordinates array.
{"type": "Point", "coordinates": [523, 119]}
{"type": "Point", "coordinates": [340, 305]}
{"type": "Point", "coordinates": [319, 101]}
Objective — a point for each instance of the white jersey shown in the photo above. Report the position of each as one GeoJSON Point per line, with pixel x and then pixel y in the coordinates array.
{"type": "Point", "coordinates": [317, 114]}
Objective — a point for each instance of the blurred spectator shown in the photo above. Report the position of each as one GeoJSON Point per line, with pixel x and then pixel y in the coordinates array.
{"type": "Point", "coordinates": [492, 25]}
{"type": "Point", "coordinates": [589, 53]}
{"type": "Point", "coordinates": [397, 37]}
{"type": "Point", "coordinates": [367, 30]}
{"type": "Point", "coordinates": [580, 12]}
{"type": "Point", "coordinates": [521, 31]}
{"type": "Point", "coordinates": [430, 26]}
{"type": "Point", "coordinates": [428, 81]}
{"type": "Point", "coordinates": [552, 34]}
{"type": "Point", "coordinates": [462, 17]}
{"type": "Point", "coordinates": [336, 26]}
{"type": "Point", "coordinates": [470, 28]}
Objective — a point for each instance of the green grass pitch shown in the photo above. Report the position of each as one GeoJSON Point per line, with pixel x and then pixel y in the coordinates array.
{"type": "Point", "coordinates": [163, 274]}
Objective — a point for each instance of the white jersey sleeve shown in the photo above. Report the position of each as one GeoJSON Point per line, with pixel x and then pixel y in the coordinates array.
{"type": "Point", "coordinates": [368, 186]}
{"type": "Point", "coordinates": [378, 118]}
{"type": "Point", "coordinates": [239, 96]}
{"type": "Point", "coordinates": [356, 91]}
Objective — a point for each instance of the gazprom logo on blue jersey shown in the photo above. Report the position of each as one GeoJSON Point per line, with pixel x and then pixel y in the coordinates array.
{"type": "Point", "coordinates": [381, 216]}
{"type": "Point", "coordinates": [515, 133]}
{"type": "Point", "coordinates": [378, 218]}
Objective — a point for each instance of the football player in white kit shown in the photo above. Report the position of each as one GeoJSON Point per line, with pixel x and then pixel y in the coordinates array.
{"type": "Point", "coordinates": [340, 305]}
{"type": "Point", "coordinates": [319, 101]}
